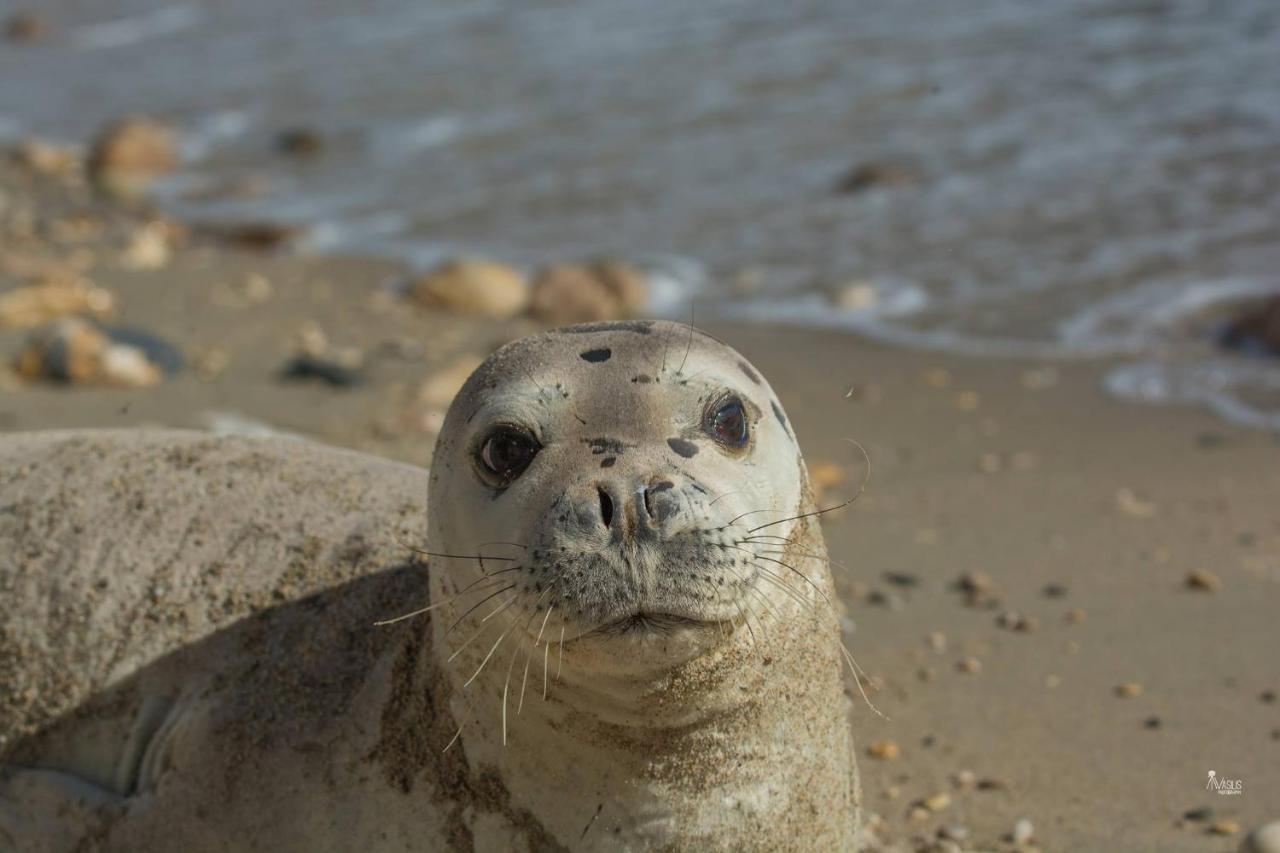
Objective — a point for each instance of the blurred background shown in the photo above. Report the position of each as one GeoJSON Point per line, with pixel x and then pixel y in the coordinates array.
{"type": "Point", "coordinates": [1084, 177]}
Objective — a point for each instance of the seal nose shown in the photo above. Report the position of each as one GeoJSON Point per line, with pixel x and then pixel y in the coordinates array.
{"type": "Point", "coordinates": [648, 506]}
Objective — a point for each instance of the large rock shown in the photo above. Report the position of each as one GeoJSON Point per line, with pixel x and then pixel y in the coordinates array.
{"type": "Point", "coordinates": [473, 286]}
{"type": "Point", "coordinates": [586, 293]}
{"type": "Point", "coordinates": [130, 154]}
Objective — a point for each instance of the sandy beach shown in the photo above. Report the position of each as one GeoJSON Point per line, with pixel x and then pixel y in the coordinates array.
{"type": "Point", "coordinates": [1066, 605]}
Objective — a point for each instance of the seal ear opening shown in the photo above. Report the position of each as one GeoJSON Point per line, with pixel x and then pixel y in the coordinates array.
{"type": "Point", "coordinates": [606, 507]}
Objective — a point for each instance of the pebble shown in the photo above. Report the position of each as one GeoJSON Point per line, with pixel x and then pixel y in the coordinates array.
{"type": "Point", "coordinates": [1152, 723]}
{"type": "Point", "coordinates": [564, 294]}
{"type": "Point", "coordinates": [473, 286]}
{"type": "Point", "coordinates": [978, 588]}
{"type": "Point", "coordinates": [1128, 502]}
{"type": "Point", "coordinates": [128, 155]}
{"type": "Point", "coordinates": [1198, 815]}
{"type": "Point", "coordinates": [1267, 697]}
{"type": "Point", "coordinates": [855, 296]}
{"type": "Point", "coordinates": [1129, 690]}
{"type": "Point", "coordinates": [25, 27]}
{"type": "Point", "coordinates": [965, 780]}
{"type": "Point", "coordinates": [1264, 839]}
{"type": "Point", "coordinates": [1076, 616]}
{"type": "Point", "coordinates": [37, 304]}
{"type": "Point", "coordinates": [937, 802]}
{"type": "Point", "coordinates": [953, 832]}
{"type": "Point", "coordinates": [1224, 826]}
{"type": "Point", "coordinates": [970, 666]}
{"type": "Point", "coordinates": [1054, 590]}
{"type": "Point", "coordinates": [300, 142]}
{"type": "Point", "coordinates": [1011, 621]}
{"type": "Point", "coordinates": [937, 641]}
{"type": "Point", "coordinates": [80, 352]}
{"type": "Point", "coordinates": [1023, 831]}
{"type": "Point", "coordinates": [867, 176]}
{"type": "Point", "coordinates": [50, 160]}
{"type": "Point", "coordinates": [884, 750]}
{"type": "Point", "coordinates": [967, 401]}
{"type": "Point", "coordinates": [148, 248]}
{"type": "Point", "coordinates": [256, 236]}
{"type": "Point", "coordinates": [304, 368]}
{"type": "Point", "coordinates": [1203, 581]}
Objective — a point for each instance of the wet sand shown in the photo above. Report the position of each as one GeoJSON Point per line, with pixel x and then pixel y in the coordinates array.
{"type": "Point", "coordinates": [1063, 499]}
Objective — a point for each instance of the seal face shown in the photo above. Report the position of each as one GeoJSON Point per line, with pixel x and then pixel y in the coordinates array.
{"type": "Point", "coordinates": [612, 480]}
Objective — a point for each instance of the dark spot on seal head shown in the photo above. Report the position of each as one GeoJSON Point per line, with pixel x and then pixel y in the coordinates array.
{"type": "Point", "coordinates": [642, 379]}
{"type": "Point", "coordinates": [608, 461]}
{"type": "Point", "coordinates": [640, 327]}
{"type": "Point", "coordinates": [687, 449]}
{"type": "Point", "coordinates": [596, 356]}
{"type": "Point", "coordinates": [782, 419]}
{"type": "Point", "coordinates": [751, 374]}
{"type": "Point", "coordinates": [661, 486]}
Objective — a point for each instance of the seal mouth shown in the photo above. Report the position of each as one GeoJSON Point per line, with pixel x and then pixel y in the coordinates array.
{"type": "Point", "coordinates": [654, 622]}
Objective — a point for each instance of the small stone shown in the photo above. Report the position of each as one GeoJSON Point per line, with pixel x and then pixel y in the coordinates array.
{"type": "Point", "coordinates": [866, 176]}
{"type": "Point", "coordinates": [991, 785]}
{"type": "Point", "coordinates": [1203, 581]}
{"type": "Point", "coordinates": [129, 155]}
{"type": "Point", "coordinates": [1264, 839]}
{"type": "Point", "coordinates": [1011, 621]}
{"type": "Point", "coordinates": [1198, 815]}
{"type": "Point", "coordinates": [1224, 826]}
{"type": "Point", "coordinates": [1129, 690]}
{"type": "Point", "coordinates": [35, 305]}
{"type": "Point", "coordinates": [78, 352]}
{"type": "Point", "coordinates": [1023, 831]}
{"type": "Point", "coordinates": [209, 362]}
{"type": "Point", "coordinates": [1267, 697]}
{"type": "Point", "coordinates": [855, 296]}
{"type": "Point", "coordinates": [1129, 503]}
{"type": "Point", "coordinates": [884, 750]}
{"type": "Point", "coordinates": [1039, 378]}
{"type": "Point", "coordinates": [25, 27]}
{"type": "Point", "coordinates": [473, 286]}
{"type": "Point", "coordinates": [1152, 723]}
{"type": "Point", "coordinates": [148, 248]}
{"type": "Point", "coordinates": [937, 802]}
{"type": "Point", "coordinates": [937, 378]}
{"type": "Point", "coordinates": [965, 780]}
{"type": "Point", "coordinates": [893, 792]}
{"type": "Point", "coordinates": [50, 160]}
{"type": "Point", "coordinates": [303, 368]}
{"type": "Point", "coordinates": [937, 641]}
{"type": "Point", "coordinates": [564, 294]}
{"type": "Point", "coordinates": [969, 666]}
{"type": "Point", "coordinates": [927, 674]}
{"type": "Point", "coordinates": [967, 401]}
{"type": "Point", "coordinates": [1054, 590]}
{"type": "Point", "coordinates": [953, 832]}
{"type": "Point", "coordinates": [300, 142]}
{"type": "Point", "coordinates": [919, 813]}
{"type": "Point", "coordinates": [1076, 616]}
{"type": "Point", "coordinates": [256, 236]}
{"type": "Point", "coordinates": [990, 463]}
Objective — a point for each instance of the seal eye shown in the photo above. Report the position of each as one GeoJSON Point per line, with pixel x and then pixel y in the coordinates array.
{"type": "Point", "coordinates": [728, 423]}
{"type": "Point", "coordinates": [506, 453]}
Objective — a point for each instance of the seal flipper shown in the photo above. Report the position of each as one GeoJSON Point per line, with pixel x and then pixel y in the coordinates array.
{"type": "Point", "coordinates": [47, 811]}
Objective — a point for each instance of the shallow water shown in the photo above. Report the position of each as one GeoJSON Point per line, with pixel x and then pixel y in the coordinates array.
{"type": "Point", "coordinates": [1075, 177]}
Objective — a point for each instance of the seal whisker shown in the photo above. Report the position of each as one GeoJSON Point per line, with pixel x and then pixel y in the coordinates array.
{"type": "Point", "coordinates": [449, 600]}
{"type": "Point", "coordinates": [473, 607]}
{"type": "Point", "coordinates": [862, 488]}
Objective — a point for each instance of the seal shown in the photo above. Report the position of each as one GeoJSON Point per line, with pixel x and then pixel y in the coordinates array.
{"type": "Point", "coordinates": [625, 638]}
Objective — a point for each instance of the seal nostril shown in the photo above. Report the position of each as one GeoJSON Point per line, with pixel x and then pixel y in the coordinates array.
{"type": "Point", "coordinates": [606, 507]}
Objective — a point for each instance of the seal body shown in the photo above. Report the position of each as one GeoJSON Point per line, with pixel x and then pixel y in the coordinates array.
{"type": "Point", "coordinates": [627, 639]}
